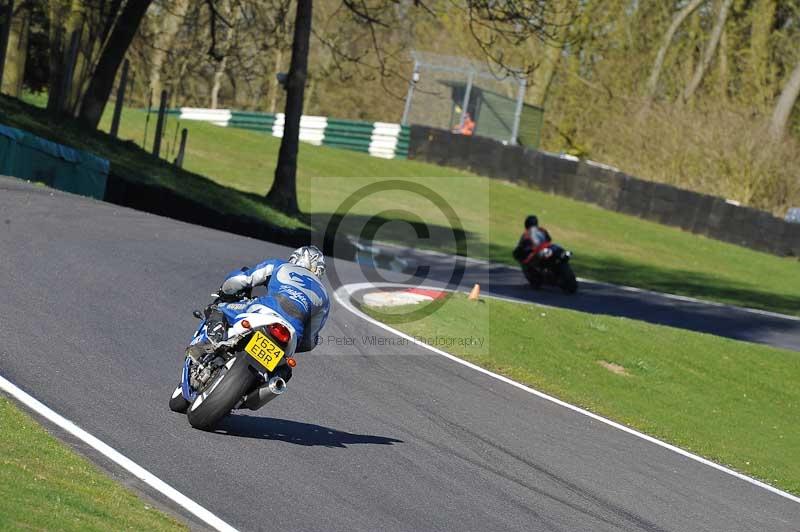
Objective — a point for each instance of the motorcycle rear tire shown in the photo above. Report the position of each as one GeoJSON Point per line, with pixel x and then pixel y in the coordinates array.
{"type": "Point", "coordinates": [221, 395]}
{"type": "Point", "coordinates": [177, 403]}
{"type": "Point", "coordinates": [567, 280]}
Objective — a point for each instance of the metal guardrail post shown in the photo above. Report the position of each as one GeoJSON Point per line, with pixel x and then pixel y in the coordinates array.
{"type": "Point", "coordinates": [410, 96]}
{"type": "Point", "coordinates": [467, 94]}
{"type": "Point", "coordinates": [162, 111]}
{"type": "Point", "coordinates": [182, 149]}
{"type": "Point", "coordinates": [518, 111]}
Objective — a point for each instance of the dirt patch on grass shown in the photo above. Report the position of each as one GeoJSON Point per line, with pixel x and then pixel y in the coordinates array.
{"type": "Point", "coordinates": [614, 368]}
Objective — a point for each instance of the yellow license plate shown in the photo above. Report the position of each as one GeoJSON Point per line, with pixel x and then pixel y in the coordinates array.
{"type": "Point", "coordinates": [264, 350]}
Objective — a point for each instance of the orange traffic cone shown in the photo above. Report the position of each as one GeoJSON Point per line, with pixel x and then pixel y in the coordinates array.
{"type": "Point", "coordinates": [475, 292]}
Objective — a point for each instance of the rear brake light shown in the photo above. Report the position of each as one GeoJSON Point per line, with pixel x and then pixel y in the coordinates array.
{"type": "Point", "coordinates": [279, 332]}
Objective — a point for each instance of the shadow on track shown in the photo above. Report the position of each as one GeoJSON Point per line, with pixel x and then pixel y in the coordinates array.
{"type": "Point", "coordinates": [308, 434]}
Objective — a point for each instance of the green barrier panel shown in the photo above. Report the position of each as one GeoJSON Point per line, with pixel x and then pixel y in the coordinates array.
{"type": "Point", "coordinates": [363, 134]}
{"type": "Point", "coordinates": [30, 157]}
{"type": "Point", "coordinates": [349, 126]}
{"type": "Point", "coordinates": [340, 133]}
{"type": "Point", "coordinates": [252, 114]}
{"type": "Point", "coordinates": [249, 118]}
{"type": "Point", "coordinates": [347, 141]}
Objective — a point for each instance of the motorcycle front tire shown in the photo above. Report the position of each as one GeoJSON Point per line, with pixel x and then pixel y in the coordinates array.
{"type": "Point", "coordinates": [567, 280]}
{"type": "Point", "coordinates": [177, 403]}
{"type": "Point", "coordinates": [534, 278]}
{"type": "Point", "coordinates": [217, 399]}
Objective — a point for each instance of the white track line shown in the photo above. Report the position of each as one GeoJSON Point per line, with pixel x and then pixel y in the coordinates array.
{"type": "Point", "coordinates": [686, 299]}
{"type": "Point", "coordinates": [342, 295]}
{"type": "Point", "coordinates": [115, 456]}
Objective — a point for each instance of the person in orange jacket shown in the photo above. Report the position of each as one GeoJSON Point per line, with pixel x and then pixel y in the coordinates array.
{"type": "Point", "coordinates": [468, 127]}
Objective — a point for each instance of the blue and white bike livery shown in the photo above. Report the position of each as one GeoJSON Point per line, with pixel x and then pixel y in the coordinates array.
{"type": "Point", "coordinates": [242, 353]}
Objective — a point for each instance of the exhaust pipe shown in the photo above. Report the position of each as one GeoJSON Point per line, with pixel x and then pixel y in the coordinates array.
{"type": "Point", "coordinates": [266, 393]}
{"type": "Point", "coordinates": [276, 385]}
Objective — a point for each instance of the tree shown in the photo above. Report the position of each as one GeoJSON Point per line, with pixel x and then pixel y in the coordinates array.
{"type": "Point", "coordinates": [710, 50]}
{"type": "Point", "coordinates": [5, 31]}
{"type": "Point", "coordinates": [283, 193]}
{"type": "Point", "coordinates": [96, 96]}
{"type": "Point", "coordinates": [785, 104]}
{"type": "Point", "coordinates": [658, 63]}
{"type": "Point", "coordinates": [166, 28]}
{"type": "Point", "coordinates": [494, 25]}
{"type": "Point", "coordinates": [57, 14]}
{"type": "Point", "coordinates": [17, 50]}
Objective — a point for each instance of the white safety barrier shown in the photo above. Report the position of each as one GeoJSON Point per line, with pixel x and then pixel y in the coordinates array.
{"type": "Point", "coordinates": [384, 140]}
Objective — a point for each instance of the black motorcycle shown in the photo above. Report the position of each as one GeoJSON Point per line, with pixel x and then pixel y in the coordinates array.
{"type": "Point", "coordinates": [551, 266]}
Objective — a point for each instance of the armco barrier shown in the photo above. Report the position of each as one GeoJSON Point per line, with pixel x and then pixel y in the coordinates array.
{"type": "Point", "coordinates": [610, 189]}
{"type": "Point", "coordinates": [379, 139]}
{"type": "Point", "coordinates": [27, 156]}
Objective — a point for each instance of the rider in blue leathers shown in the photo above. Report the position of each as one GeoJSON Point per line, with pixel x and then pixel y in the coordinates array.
{"type": "Point", "coordinates": [294, 290]}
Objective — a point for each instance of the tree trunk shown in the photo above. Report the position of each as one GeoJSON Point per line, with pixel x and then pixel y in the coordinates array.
{"type": "Point", "coordinates": [786, 101]}
{"type": "Point", "coordinates": [283, 193]}
{"type": "Point", "coordinates": [57, 14]}
{"type": "Point", "coordinates": [77, 20]}
{"type": "Point", "coordinates": [167, 28]}
{"type": "Point", "coordinates": [551, 52]}
{"type": "Point", "coordinates": [109, 17]}
{"type": "Point", "coordinates": [102, 81]}
{"type": "Point", "coordinates": [274, 86]}
{"type": "Point", "coordinates": [309, 93]}
{"type": "Point", "coordinates": [723, 71]}
{"type": "Point", "coordinates": [5, 32]}
{"type": "Point", "coordinates": [177, 84]}
{"type": "Point", "coordinates": [658, 64]}
{"type": "Point", "coordinates": [543, 75]}
{"type": "Point", "coordinates": [217, 82]}
{"type": "Point", "coordinates": [98, 22]}
{"type": "Point", "coordinates": [711, 49]}
{"type": "Point", "coordinates": [16, 52]}
{"type": "Point", "coordinates": [760, 75]}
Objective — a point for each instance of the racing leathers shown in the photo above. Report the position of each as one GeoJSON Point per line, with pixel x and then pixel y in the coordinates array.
{"type": "Point", "coordinates": [292, 291]}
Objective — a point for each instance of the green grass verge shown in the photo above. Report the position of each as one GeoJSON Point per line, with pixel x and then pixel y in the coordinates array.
{"type": "Point", "coordinates": [46, 486]}
{"type": "Point", "coordinates": [131, 163]}
{"type": "Point", "coordinates": [733, 402]}
{"type": "Point", "coordinates": [608, 246]}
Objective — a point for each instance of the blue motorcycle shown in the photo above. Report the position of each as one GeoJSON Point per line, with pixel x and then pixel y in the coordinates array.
{"type": "Point", "coordinates": [240, 356]}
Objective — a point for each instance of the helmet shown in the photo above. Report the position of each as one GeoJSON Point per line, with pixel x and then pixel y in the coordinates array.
{"type": "Point", "coordinates": [310, 258]}
{"type": "Point", "coordinates": [531, 220]}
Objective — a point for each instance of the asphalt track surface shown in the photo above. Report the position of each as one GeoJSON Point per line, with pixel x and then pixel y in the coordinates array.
{"type": "Point", "coordinates": [601, 298]}
{"type": "Point", "coordinates": [96, 310]}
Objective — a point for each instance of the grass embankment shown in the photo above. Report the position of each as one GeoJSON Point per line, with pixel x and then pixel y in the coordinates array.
{"type": "Point", "coordinates": [46, 486]}
{"type": "Point", "coordinates": [608, 246]}
{"type": "Point", "coordinates": [131, 163]}
{"type": "Point", "coordinates": [733, 402]}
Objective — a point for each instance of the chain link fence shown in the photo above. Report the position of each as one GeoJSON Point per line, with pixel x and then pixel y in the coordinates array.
{"type": "Point", "coordinates": [464, 96]}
